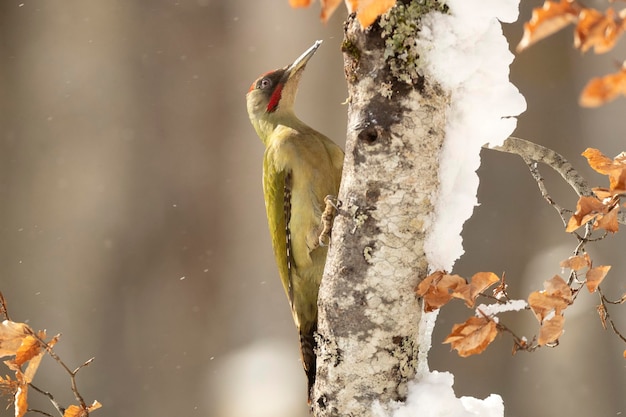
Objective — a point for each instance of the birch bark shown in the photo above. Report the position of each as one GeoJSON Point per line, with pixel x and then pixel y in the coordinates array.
{"type": "Point", "coordinates": [368, 311]}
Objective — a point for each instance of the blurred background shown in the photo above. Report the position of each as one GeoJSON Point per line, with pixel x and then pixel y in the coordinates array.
{"type": "Point", "coordinates": [132, 217]}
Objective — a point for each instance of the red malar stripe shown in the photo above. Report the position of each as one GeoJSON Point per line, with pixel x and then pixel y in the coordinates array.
{"type": "Point", "coordinates": [275, 98]}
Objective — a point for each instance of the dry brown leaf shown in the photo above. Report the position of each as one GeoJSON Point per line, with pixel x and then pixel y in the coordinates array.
{"type": "Point", "coordinates": [437, 289]}
{"type": "Point", "coordinates": [29, 348]}
{"type": "Point", "coordinates": [598, 161]}
{"type": "Point", "coordinates": [609, 221]}
{"type": "Point", "coordinates": [328, 8]}
{"type": "Point", "coordinates": [557, 286]}
{"type": "Point", "coordinates": [473, 336]}
{"type": "Point", "coordinates": [33, 364]}
{"type": "Point", "coordinates": [367, 11]}
{"type": "Point", "coordinates": [601, 90]}
{"type": "Point", "coordinates": [479, 282]}
{"type": "Point", "coordinates": [576, 263]}
{"type": "Point", "coordinates": [614, 168]}
{"type": "Point", "coordinates": [11, 336]}
{"type": "Point", "coordinates": [602, 313]}
{"type": "Point", "coordinates": [548, 19]}
{"type": "Point", "coordinates": [74, 411]}
{"type": "Point", "coordinates": [21, 400]}
{"type": "Point", "coordinates": [598, 30]}
{"type": "Point", "coordinates": [556, 296]}
{"type": "Point", "coordinates": [551, 330]}
{"type": "Point", "coordinates": [543, 304]}
{"type": "Point", "coordinates": [587, 209]}
{"type": "Point", "coordinates": [299, 3]}
{"type": "Point", "coordinates": [351, 5]}
{"type": "Point", "coordinates": [77, 411]}
{"type": "Point", "coordinates": [595, 276]}
{"type": "Point", "coordinates": [602, 192]}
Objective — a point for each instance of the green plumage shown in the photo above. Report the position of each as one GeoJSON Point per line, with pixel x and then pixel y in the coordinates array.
{"type": "Point", "coordinates": [300, 167]}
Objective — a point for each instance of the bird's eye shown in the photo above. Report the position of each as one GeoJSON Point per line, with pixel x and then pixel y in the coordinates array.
{"type": "Point", "coordinates": [265, 83]}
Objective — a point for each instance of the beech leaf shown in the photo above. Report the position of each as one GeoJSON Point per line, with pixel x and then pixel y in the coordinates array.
{"type": "Point", "coordinates": [473, 336]}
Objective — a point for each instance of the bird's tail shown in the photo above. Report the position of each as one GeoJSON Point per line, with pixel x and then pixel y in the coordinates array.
{"type": "Point", "coordinates": [307, 350]}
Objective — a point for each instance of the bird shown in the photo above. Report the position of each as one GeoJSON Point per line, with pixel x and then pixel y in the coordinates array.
{"type": "Point", "coordinates": [301, 167]}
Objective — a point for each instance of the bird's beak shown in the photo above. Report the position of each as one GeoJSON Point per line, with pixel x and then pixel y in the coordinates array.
{"type": "Point", "coordinates": [302, 60]}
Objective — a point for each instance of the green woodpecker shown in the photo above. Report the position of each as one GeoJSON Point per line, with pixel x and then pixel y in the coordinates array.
{"type": "Point", "coordinates": [300, 168]}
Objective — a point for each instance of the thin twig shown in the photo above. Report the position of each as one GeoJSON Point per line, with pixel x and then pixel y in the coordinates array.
{"type": "Point", "coordinates": [72, 374]}
{"type": "Point", "coordinates": [3, 307]}
{"type": "Point", "coordinates": [33, 410]}
{"type": "Point", "coordinates": [54, 402]}
{"type": "Point", "coordinates": [607, 316]}
{"type": "Point", "coordinates": [534, 171]}
{"type": "Point", "coordinates": [519, 342]}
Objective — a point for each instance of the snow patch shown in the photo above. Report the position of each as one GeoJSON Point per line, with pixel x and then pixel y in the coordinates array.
{"type": "Point", "coordinates": [467, 54]}
{"type": "Point", "coordinates": [491, 310]}
{"type": "Point", "coordinates": [433, 396]}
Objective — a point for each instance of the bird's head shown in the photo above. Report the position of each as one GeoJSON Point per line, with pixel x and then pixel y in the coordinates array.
{"type": "Point", "coordinates": [273, 94]}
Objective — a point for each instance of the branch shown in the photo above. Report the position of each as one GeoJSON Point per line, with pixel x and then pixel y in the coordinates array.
{"type": "Point", "coordinates": [532, 153]}
{"type": "Point", "coordinates": [72, 374]}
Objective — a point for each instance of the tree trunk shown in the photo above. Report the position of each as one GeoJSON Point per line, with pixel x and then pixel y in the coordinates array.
{"type": "Point", "coordinates": [368, 311]}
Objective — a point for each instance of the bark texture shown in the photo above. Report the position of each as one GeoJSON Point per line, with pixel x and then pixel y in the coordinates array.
{"type": "Point", "coordinates": [368, 312]}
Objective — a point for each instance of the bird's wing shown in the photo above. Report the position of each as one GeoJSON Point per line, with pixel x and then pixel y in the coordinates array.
{"type": "Point", "coordinates": [277, 189]}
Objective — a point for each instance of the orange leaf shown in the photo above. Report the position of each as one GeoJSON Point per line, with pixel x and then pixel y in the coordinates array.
{"type": "Point", "coordinates": [602, 313]}
{"type": "Point", "coordinates": [29, 348]}
{"type": "Point", "coordinates": [609, 221]}
{"type": "Point", "coordinates": [615, 168]}
{"type": "Point", "coordinates": [597, 30]}
{"type": "Point", "coordinates": [367, 11]}
{"type": "Point", "coordinates": [558, 287]}
{"type": "Point", "coordinates": [548, 19]}
{"type": "Point", "coordinates": [21, 400]}
{"type": "Point", "coordinates": [556, 296]}
{"type": "Point", "coordinates": [299, 3]}
{"type": "Point", "coordinates": [76, 411]}
{"type": "Point", "coordinates": [551, 330]}
{"type": "Point", "coordinates": [602, 192]}
{"type": "Point", "coordinates": [598, 161]}
{"type": "Point", "coordinates": [473, 336]}
{"type": "Point", "coordinates": [576, 263]}
{"type": "Point", "coordinates": [34, 362]}
{"type": "Point", "coordinates": [328, 8]}
{"type": "Point", "coordinates": [601, 90]}
{"type": "Point", "coordinates": [595, 276]}
{"type": "Point", "coordinates": [11, 336]}
{"type": "Point", "coordinates": [437, 289]}
{"type": "Point", "coordinates": [587, 208]}
{"type": "Point", "coordinates": [352, 5]}
{"type": "Point", "coordinates": [479, 282]}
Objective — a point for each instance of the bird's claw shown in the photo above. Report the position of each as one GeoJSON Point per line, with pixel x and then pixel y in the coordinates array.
{"type": "Point", "coordinates": [328, 217]}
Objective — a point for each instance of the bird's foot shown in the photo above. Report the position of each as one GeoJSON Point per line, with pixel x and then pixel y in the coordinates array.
{"type": "Point", "coordinates": [328, 217]}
